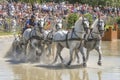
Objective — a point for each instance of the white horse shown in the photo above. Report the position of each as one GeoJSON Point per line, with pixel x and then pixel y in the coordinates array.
{"type": "Point", "coordinates": [72, 39]}
{"type": "Point", "coordinates": [38, 38]}
{"type": "Point", "coordinates": [94, 39]}
{"type": "Point", "coordinates": [48, 46]}
{"type": "Point", "coordinates": [32, 36]}
{"type": "Point", "coordinates": [48, 35]}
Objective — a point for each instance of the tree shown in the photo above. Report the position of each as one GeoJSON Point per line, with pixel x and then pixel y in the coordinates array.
{"type": "Point", "coordinates": [90, 2]}
{"type": "Point", "coordinates": [89, 17]}
{"type": "Point", "coordinates": [32, 1]}
{"type": "Point", "coordinates": [72, 18]}
{"type": "Point", "coordinates": [96, 2]}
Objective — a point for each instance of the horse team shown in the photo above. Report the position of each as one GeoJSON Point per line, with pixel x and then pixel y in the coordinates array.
{"type": "Point", "coordinates": [82, 38]}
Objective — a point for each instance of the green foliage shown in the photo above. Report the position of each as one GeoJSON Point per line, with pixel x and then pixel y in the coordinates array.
{"type": "Point", "coordinates": [97, 2]}
{"type": "Point", "coordinates": [32, 1]}
{"type": "Point", "coordinates": [72, 18]}
{"type": "Point", "coordinates": [89, 17]}
{"type": "Point", "coordinates": [110, 20]}
{"type": "Point", "coordinates": [5, 33]}
{"type": "Point", "coordinates": [118, 20]}
{"type": "Point", "coordinates": [90, 2]}
{"type": "Point", "coordinates": [108, 26]}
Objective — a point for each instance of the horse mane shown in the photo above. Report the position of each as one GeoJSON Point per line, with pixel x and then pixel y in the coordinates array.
{"type": "Point", "coordinates": [77, 22]}
{"type": "Point", "coordinates": [94, 23]}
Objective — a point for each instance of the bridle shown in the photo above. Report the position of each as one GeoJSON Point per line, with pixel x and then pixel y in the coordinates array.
{"type": "Point", "coordinates": [84, 24]}
{"type": "Point", "coordinates": [85, 28]}
{"type": "Point", "coordinates": [40, 26]}
{"type": "Point", "coordinates": [99, 27]}
{"type": "Point", "coordinates": [100, 31]}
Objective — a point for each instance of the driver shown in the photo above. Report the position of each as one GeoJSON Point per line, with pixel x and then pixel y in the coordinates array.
{"type": "Point", "coordinates": [29, 23]}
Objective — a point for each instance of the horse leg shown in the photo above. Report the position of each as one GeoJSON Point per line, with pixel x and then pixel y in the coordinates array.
{"type": "Point", "coordinates": [98, 49]}
{"type": "Point", "coordinates": [59, 49]}
{"type": "Point", "coordinates": [26, 51]}
{"type": "Point", "coordinates": [60, 55]}
{"type": "Point", "coordinates": [76, 53]}
{"type": "Point", "coordinates": [83, 56]}
{"type": "Point", "coordinates": [49, 49]}
{"type": "Point", "coordinates": [38, 51]}
{"type": "Point", "coordinates": [35, 45]}
{"type": "Point", "coordinates": [25, 48]}
{"type": "Point", "coordinates": [87, 55]}
{"type": "Point", "coordinates": [53, 49]}
{"type": "Point", "coordinates": [71, 56]}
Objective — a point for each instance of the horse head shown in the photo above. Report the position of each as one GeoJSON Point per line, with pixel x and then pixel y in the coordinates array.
{"type": "Point", "coordinates": [85, 24]}
{"type": "Point", "coordinates": [58, 24]}
{"type": "Point", "coordinates": [101, 27]}
{"type": "Point", "coordinates": [40, 24]}
{"type": "Point", "coordinates": [82, 25]}
{"type": "Point", "coordinates": [98, 27]}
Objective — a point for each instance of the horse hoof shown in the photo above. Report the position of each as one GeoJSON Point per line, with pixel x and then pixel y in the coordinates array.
{"type": "Point", "coordinates": [84, 65]}
{"type": "Point", "coordinates": [68, 63]}
{"type": "Point", "coordinates": [99, 63]}
{"type": "Point", "coordinates": [67, 66]}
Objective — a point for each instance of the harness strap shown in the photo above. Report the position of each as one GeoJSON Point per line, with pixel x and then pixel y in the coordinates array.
{"type": "Point", "coordinates": [48, 39]}
{"type": "Point", "coordinates": [50, 33]}
{"type": "Point", "coordinates": [90, 33]}
{"type": "Point", "coordinates": [80, 43]}
{"type": "Point", "coordinates": [73, 32]}
{"type": "Point", "coordinates": [34, 36]}
{"type": "Point", "coordinates": [67, 40]}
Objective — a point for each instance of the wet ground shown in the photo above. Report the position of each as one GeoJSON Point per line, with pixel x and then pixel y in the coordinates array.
{"type": "Point", "coordinates": [110, 70]}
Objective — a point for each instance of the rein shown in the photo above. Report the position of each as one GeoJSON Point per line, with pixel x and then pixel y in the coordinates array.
{"type": "Point", "coordinates": [73, 32]}
{"type": "Point", "coordinates": [95, 33]}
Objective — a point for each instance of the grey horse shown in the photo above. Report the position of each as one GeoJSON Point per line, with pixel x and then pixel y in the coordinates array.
{"type": "Point", "coordinates": [94, 39]}
{"type": "Point", "coordinates": [71, 39]}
